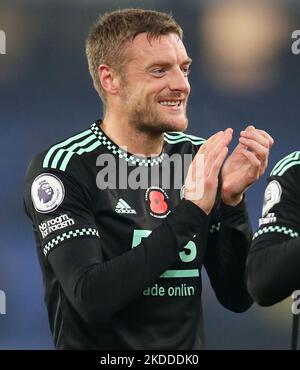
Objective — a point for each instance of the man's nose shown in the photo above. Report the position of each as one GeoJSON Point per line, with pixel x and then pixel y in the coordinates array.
{"type": "Point", "coordinates": [179, 81]}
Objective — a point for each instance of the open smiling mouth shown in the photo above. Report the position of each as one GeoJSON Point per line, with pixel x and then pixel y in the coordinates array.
{"type": "Point", "coordinates": [171, 103]}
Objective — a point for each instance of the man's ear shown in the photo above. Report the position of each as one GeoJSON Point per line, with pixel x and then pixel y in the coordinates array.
{"type": "Point", "coordinates": [109, 79]}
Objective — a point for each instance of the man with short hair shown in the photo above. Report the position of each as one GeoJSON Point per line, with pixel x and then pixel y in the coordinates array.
{"type": "Point", "coordinates": [122, 267]}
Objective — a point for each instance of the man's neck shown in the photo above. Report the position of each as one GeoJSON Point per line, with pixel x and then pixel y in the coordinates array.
{"type": "Point", "coordinates": [130, 139]}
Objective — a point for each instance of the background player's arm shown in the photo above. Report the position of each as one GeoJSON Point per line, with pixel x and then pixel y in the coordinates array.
{"type": "Point", "coordinates": [273, 265]}
{"type": "Point", "coordinates": [273, 268]}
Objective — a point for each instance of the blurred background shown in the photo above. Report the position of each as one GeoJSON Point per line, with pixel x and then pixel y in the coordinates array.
{"type": "Point", "coordinates": [243, 72]}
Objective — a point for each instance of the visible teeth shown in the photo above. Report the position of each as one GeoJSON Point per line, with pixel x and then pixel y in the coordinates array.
{"type": "Point", "coordinates": [172, 103]}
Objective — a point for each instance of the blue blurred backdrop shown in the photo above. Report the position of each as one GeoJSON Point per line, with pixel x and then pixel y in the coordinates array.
{"type": "Point", "coordinates": [243, 72]}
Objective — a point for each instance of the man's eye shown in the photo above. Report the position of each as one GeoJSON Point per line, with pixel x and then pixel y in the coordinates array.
{"type": "Point", "coordinates": [159, 71]}
{"type": "Point", "coordinates": [186, 71]}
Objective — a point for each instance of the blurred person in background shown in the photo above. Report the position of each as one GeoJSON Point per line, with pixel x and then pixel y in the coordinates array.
{"type": "Point", "coordinates": [242, 42]}
{"type": "Point", "coordinates": [273, 266]}
{"type": "Point", "coordinates": [246, 69]}
{"type": "Point", "coordinates": [252, 75]}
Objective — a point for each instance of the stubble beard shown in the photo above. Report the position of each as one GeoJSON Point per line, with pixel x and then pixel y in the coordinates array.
{"type": "Point", "coordinates": [146, 119]}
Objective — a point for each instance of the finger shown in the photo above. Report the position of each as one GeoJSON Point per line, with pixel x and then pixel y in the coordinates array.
{"type": "Point", "coordinates": [216, 136]}
{"type": "Point", "coordinates": [267, 136]}
{"type": "Point", "coordinates": [212, 154]}
{"type": "Point", "coordinates": [209, 141]}
{"type": "Point", "coordinates": [263, 133]}
{"type": "Point", "coordinates": [255, 135]}
{"type": "Point", "coordinates": [239, 147]}
{"type": "Point", "coordinates": [213, 147]}
{"type": "Point", "coordinates": [250, 128]}
{"type": "Point", "coordinates": [216, 167]}
{"type": "Point", "coordinates": [229, 131]}
{"type": "Point", "coordinates": [260, 150]}
{"type": "Point", "coordinates": [254, 161]}
{"type": "Point", "coordinates": [260, 165]}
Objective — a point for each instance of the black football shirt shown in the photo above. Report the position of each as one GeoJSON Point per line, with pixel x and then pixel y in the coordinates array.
{"type": "Point", "coordinates": [121, 250]}
{"type": "Point", "coordinates": [273, 266]}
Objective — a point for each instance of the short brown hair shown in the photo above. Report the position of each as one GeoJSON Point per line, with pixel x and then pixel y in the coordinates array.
{"type": "Point", "coordinates": [106, 41]}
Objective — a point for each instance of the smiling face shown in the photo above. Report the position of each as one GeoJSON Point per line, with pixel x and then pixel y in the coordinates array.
{"type": "Point", "coordinates": [154, 85]}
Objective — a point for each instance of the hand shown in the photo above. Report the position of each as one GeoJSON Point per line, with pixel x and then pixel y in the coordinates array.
{"type": "Point", "coordinates": [201, 183]}
{"type": "Point", "coordinates": [246, 164]}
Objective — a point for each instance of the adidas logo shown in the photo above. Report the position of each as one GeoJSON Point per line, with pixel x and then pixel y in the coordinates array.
{"type": "Point", "coordinates": [123, 207]}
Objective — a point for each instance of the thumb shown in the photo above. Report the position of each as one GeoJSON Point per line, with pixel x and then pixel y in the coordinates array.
{"type": "Point", "coordinates": [240, 146]}
{"type": "Point", "coordinates": [250, 128]}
